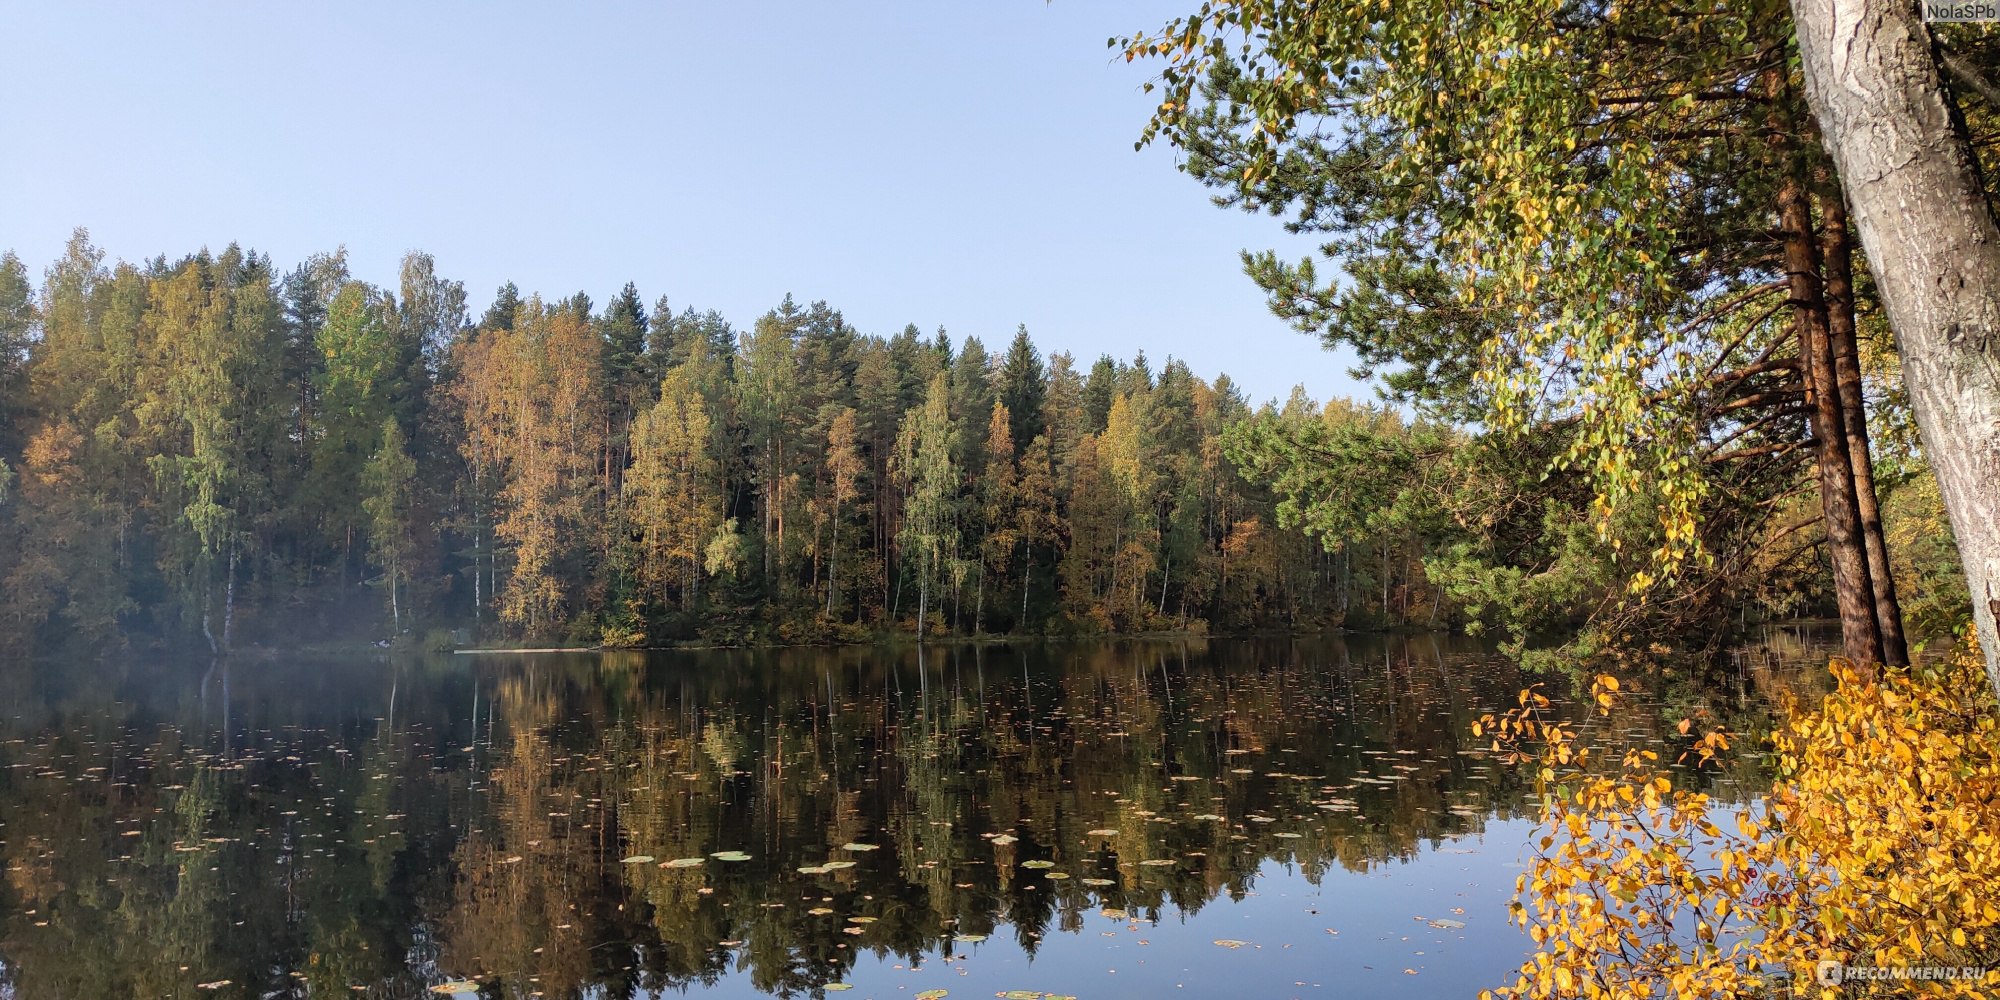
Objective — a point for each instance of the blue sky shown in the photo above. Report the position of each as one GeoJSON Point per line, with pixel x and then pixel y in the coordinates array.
{"type": "Point", "coordinates": [964, 164]}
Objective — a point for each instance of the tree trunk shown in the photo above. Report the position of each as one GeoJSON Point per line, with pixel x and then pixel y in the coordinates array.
{"type": "Point", "coordinates": [1934, 250]}
{"type": "Point", "coordinates": [1861, 637]}
{"type": "Point", "coordinates": [1839, 262]}
{"type": "Point", "coordinates": [229, 598]}
{"type": "Point", "coordinates": [1027, 575]}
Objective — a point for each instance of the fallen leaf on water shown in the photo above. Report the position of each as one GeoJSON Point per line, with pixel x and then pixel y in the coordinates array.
{"type": "Point", "coordinates": [1231, 943]}
{"type": "Point", "coordinates": [457, 986]}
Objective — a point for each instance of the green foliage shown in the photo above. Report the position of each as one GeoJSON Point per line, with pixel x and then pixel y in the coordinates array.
{"type": "Point", "coordinates": [244, 454]}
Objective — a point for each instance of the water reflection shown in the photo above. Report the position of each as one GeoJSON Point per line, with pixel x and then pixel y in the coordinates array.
{"type": "Point", "coordinates": [777, 821]}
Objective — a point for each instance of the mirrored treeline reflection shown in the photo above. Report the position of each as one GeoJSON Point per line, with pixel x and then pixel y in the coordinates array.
{"type": "Point", "coordinates": [561, 824]}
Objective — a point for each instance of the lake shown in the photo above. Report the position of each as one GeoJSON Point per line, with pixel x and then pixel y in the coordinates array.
{"type": "Point", "coordinates": [1246, 818]}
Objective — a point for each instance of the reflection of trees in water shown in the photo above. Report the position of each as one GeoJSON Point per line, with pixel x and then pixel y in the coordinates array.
{"type": "Point", "coordinates": [482, 834]}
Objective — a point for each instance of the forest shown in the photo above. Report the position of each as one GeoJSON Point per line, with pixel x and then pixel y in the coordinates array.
{"type": "Point", "coordinates": [211, 452]}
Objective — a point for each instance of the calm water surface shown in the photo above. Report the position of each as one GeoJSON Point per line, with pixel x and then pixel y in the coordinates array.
{"type": "Point", "coordinates": [1241, 819]}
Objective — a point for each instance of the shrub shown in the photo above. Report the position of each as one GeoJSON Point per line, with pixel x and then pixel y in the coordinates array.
{"type": "Point", "coordinates": [1878, 845]}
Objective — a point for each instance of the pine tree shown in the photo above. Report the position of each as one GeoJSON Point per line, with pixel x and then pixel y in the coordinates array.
{"type": "Point", "coordinates": [1023, 385]}
{"type": "Point", "coordinates": [18, 322]}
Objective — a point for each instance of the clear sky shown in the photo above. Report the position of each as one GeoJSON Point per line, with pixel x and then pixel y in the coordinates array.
{"type": "Point", "coordinates": [964, 163]}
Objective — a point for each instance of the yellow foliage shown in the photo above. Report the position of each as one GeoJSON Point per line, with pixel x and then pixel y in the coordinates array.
{"type": "Point", "coordinates": [1879, 846]}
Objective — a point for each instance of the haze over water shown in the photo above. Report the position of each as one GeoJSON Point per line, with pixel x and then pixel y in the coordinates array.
{"type": "Point", "coordinates": [1261, 818]}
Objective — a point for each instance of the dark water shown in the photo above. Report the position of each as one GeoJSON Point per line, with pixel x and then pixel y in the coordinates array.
{"type": "Point", "coordinates": [1241, 819]}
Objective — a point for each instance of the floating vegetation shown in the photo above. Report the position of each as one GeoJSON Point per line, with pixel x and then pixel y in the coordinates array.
{"type": "Point", "coordinates": [302, 801]}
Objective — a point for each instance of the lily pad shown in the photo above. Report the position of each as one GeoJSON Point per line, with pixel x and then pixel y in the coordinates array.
{"type": "Point", "coordinates": [1038, 863]}
{"type": "Point", "coordinates": [814, 870]}
{"type": "Point", "coordinates": [684, 863]}
{"type": "Point", "coordinates": [456, 986]}
{"type": "Point", "coordinates": [969, 938]}
{"type": "Point", "coordinates": [839, 987]}
{"type": "Point", "coordinates": [636, 859]}
{"type": "Point", "coordinates": [861, 847]}
{"type": "Point", "coordinates": [837, 865]}
{"type": "Point", "coordinates": [933, 995]}
{"type": "Point", "coordinates": [730, 856]}
{"type": "Point", "coordinates": [1230, 943]}
{"type": "Point", "coordinates": [1005, 839]}
{"type": "Point", "coordinates": [1097, 881]}
{"type": "Point", "coordinates": [1101, 833]}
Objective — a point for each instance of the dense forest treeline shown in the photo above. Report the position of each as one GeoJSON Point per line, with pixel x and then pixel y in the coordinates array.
{"type": "Point", "coordinates": [211, 452]}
